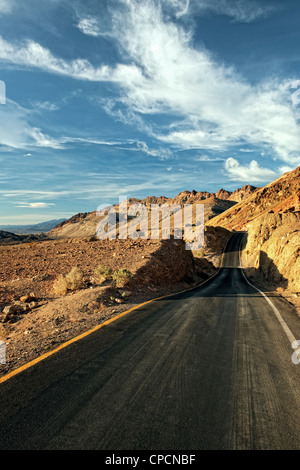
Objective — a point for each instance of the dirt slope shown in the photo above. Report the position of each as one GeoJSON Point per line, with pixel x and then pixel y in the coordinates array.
{"type": "Point", "coordinates": [282, 195]}
{"type": "Point", "coordinates": [35, 319]}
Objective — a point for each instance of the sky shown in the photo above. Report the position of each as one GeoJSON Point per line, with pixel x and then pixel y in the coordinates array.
{"type": "Point", "coordinates": [101, 99]}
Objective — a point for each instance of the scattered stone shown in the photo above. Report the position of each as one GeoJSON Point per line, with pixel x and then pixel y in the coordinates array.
{"type": "Point", "coordinates": [125, 293]}
{"type": "Point", "coordinates": [27, 298]}
{"type": "Point", "coordinates": [33, 304]}
{"type": "Point", "coordinates": [92, 306]}
{"type": "Point", "coordinates": [11, 309]}
{"type": "Point", "coordinates": [4, 317]}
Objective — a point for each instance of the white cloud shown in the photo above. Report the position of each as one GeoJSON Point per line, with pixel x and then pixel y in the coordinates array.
{"type": "Point", "coordinates": [285, 169]}
{"type": "Point", "coordinates": [206, 158]}
{"type": "Point", "coordinates": [43, 140]}
{"type": "Point", "coordinates": [92, 27]}
{"type": "Point", "coordinates": [89, 26]}
{"type": "Point", "coordinates": [219, 109]}
{"type": "Point", "coordinates": [35, 205]}
{"type": "Point", "coordinates": [33, 217]}
{"type": "Point", "coordinates": [45, 105]}
{"type": "Point", "coordinates": [14, 128]}
{"type": "Point", "coordinates": [32, 54]}
{"type": "Point", "coordinates": [161, 153]}
{"type": "Point", "coordinates": [296, 94]}
{"type": "Point", "coordinates": [17, 132]}
{"type": "Point", "coordinates": [213, 107]}
{"type": "Point", "coordinates": [251, 173]}
{"type": "Point", "coordinates": [246, 150]}
{"type": "Point", "coordinates": [6, 6]}
{"type": "Point", "coordinates": [244, 11]}
{"type": "Point", "coordinates": [181, 7]}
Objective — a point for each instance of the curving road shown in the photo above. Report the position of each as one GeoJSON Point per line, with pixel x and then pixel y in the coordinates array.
{"type": "Point", "coordinates": [207, 369]}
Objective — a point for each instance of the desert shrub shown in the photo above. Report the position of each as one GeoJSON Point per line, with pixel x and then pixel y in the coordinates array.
{"type": "Point", "coordinates": [72, 281]}
{"type": "Point", "coordinates": [103, 272]}
{"type": "Point", "coordinates": [122, 277]}
{"type": "Point", "coordinates": [60, 285]}
{"type": "Point", "coordinates": [75, 279]}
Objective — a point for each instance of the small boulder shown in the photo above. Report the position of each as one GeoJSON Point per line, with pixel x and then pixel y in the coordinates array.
{"type": "Point", "coordinates": [125, 293]}
{"type": "Point", "coordinates": [26, 299]}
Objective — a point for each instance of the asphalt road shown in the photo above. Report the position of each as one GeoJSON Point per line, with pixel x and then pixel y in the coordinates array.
{"type": "Point", "coordinates": [207, 369]}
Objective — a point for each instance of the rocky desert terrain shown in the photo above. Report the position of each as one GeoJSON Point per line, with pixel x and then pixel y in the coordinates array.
{"type": "Point", "coordinates": [271, 218]}
{"type": "Point", "coordinates": [84, 224]}
{"type": "Point", "coordinates": [35, 318]}
{"type": "Point", "coordinates": [38, 311]}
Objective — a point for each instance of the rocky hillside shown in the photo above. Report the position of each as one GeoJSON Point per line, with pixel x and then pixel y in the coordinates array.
{"type": "Point", "coordinates": [238, 195]}
{"type": "Point", "coordinates": [33, 228]}
{"type": "Point", "coordinates": [282, 195]}
{"type": "Point", "coordinates": [271, 218]}
{"type": "Point", "coordinates": [9, 238]}
{"type": "Point", "coordinates": [84, 224]}
{"type": "Point", "coordinates": [272, 251]}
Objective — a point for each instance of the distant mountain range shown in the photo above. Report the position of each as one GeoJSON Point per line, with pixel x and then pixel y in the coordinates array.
{"type": "Point", "coordinates": [34, 228]}
{"type": "Point", "coordinates": [84, 224]}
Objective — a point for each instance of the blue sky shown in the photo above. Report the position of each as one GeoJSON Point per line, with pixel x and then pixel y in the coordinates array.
{"type": "Point", "coordinates": [106, 98]}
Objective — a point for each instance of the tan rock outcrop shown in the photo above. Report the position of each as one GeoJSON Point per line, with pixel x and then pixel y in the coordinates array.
{"type": "Point", "coordinates": [271, 253]}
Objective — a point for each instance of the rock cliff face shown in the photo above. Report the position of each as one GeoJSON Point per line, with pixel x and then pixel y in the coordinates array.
{"type": "Point", "coordinates": [270, 215]}
{"type": "Point", "coordinates": [272, 251]}
{"type": "Point", "coordinates": [238, 195]}
{"type": "Point", "coordinates": [282, 195]}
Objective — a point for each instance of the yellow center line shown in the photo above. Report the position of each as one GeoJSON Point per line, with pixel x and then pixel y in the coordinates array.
{"type": "Point", "coordinates": [107, 322]}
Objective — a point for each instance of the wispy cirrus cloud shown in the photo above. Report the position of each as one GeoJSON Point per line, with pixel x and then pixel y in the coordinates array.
{"type": "Point", "coordinates": [206, 158]}
{"type": "Point", "coordinates": [31, 54]}
{"type": "Point", "coordinates": [43, 140]}
{"type": "Point", "coordinates": [91, 27]}
{"type": "Point", "coordinates": [14, 128]}
{"type": "Point", "coordinates": [35, 205]}
{"type": "Point", "coordinates": [17, 132]}
{"type": "Point", "coordinates": [207, 104]}
{"type": "Point", "coordinates": [219, 109]}
{"type": "Point", "coordinates": [242, 11]}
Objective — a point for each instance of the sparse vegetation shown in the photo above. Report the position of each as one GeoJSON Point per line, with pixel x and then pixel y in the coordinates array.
{"type": "Point", "coordinates": [122, 277]}
{"type": "Point", "coordinates": [72, 281]}
{"type": "Point", "coordinates": [75, 279]}
{"type": "Point", "coordinates": [103, 272]}
{"type": "Point", "coordinates": [60, 285]}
